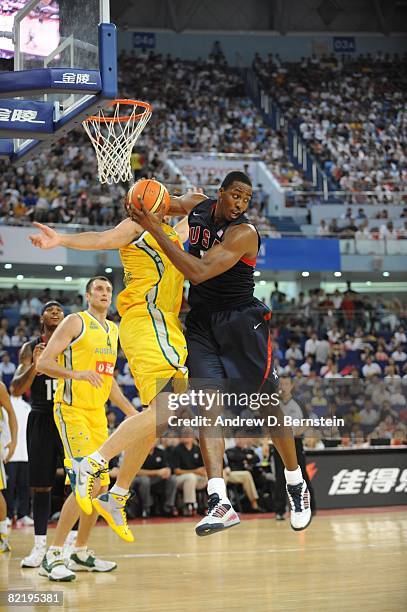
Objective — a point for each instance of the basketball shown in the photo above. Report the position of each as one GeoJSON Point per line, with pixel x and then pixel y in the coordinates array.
{"type": "Point", "coordinates": [153, 194]}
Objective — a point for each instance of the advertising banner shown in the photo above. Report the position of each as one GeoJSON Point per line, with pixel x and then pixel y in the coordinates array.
{"type": "Point", "coordinates": [358, 478]}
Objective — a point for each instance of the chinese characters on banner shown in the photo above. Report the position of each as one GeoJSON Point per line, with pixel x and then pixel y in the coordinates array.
{"type": "Point", "coordinates": [19, 114]}
{"type": "Point", "coordinates": [78, 78]}
{"type": "Point", "coordinates": [378, 480]}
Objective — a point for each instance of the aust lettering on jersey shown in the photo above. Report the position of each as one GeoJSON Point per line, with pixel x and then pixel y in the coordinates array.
{"type": "Point", "coordinates": [231, 288]}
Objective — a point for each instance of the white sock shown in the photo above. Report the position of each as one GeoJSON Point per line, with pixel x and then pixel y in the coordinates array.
{"type": "Point", "coordinates": [217, 485]}
{"type": "Point", "coordinates": [98, 457]}
{"type": "Point", "coordinates": [71, 538]}
{"type": "Point", "coordinates": [118, 490]}
{"type": "Point", "coordinates": [3, 527]}
{"type": "Point", "coordinates": [293, 477]}
{"type": "Point", "coordinates": [40, 541]}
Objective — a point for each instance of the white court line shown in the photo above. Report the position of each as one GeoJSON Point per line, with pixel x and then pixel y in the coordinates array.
{"type": "Point", "coordinates": [254, 551]}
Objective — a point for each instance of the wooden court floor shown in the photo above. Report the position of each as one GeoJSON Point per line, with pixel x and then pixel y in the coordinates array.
{"type": "Point", "coordinates": [343, 562]}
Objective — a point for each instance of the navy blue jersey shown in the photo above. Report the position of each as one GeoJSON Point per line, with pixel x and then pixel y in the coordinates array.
{"type": "Point", "coordinates": [235, 286]}
{"type": "Point", "coordinates": [42, 388]}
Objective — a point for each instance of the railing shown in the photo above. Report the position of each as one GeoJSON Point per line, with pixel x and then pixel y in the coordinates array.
{"type": "Point", "coordinates": [298, 197]}
{"type": "Point", "coordinates": [349, 244]}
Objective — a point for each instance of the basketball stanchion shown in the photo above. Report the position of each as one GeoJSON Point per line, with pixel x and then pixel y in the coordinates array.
{"type": "Point", "coordinates": [113, 137]}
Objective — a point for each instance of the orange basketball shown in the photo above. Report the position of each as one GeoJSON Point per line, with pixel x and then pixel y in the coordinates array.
{"type": "Point", "coordinates": [153, 194]}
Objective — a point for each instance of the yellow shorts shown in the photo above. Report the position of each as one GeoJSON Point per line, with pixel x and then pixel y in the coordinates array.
{"type": "Point", "coordinates": [82, 432]}
{"type": "Point", "coordinates": [155, 348]}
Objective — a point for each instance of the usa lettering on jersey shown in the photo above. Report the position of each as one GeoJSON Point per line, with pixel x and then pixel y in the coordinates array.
{"type": "Point", "coordinates": [202, 235]}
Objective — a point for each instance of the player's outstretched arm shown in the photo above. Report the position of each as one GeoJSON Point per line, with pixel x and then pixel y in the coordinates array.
{"type": "Point", "coordinates": [66, 332]}
{"type": "Point", "coordinates": [182, 205]}
{"type": "Point", "coordinates": [120, 400]}
{"type": "Point", "coordinates": [12, 421]}
{"type": "Point", "coordinates": [240, 241]}
{"type": "Point", "coordinates": [121, 235]}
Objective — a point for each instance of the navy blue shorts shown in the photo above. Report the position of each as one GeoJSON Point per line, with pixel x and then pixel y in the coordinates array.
{"type": "Point", "coordinates": [44, 447]}
{"type": "Point", "coordinates": [232, 344]}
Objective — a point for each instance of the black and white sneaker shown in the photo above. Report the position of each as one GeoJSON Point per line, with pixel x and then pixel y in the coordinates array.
{"type": "Point", "coordinates": [299, 498]}
{"type": "Point", "coordinates": [221, 516]}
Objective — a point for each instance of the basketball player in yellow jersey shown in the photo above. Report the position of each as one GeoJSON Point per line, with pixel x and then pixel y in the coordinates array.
{"type": "Point", "coordinates": [153, 342]}
{"type": "Point", "coordinates": [82, 354]}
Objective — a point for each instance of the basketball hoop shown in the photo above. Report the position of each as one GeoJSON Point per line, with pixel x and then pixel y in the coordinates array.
{"type": "Point", "coordinates": [114, 136]}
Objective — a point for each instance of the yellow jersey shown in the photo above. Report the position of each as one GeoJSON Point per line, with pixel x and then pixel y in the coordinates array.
{"type": "Point", "coordinates": [150, 278]}
{"type": "Point", "coordinates": [94, 349]}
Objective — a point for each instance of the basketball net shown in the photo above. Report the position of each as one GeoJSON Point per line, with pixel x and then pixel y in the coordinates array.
{"type": "Point", "coordinates": [113, 137]}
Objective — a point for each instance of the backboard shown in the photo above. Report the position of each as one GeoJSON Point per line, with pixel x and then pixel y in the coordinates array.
{"type": "Point", "coordinates": [65, 68]}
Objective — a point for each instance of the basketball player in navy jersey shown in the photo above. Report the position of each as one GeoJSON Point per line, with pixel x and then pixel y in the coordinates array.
{"type": "Point", "coordinates": [44, 445]}
{"type": "Point", "coordinates": [227, 329]}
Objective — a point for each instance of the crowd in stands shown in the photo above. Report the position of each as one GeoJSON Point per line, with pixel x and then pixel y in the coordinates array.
{"type": "Point", "coordinates": [200, 106]}
{"type": "Point", "coordinates": [345, 352]}
{"type": "Point", "coordinates": [351, 113]}
{"type": "Point", "coordinates": [362, 225]}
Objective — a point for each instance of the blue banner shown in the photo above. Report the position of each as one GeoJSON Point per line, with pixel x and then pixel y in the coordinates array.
{"type": "Point", "coordinates": [144, 40]}
{"type": "Point", "coordinates": [344, 44]}
{"type": "Point", "coordinates": [312, 254]}
{"type": "Point", "coordinates": [25, 116]}
{"type": "Point", "coordinates": [46, 80]}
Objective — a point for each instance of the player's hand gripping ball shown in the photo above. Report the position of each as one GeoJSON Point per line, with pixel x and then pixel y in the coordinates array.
{"type": "Point", "coordinates": [153, 195]}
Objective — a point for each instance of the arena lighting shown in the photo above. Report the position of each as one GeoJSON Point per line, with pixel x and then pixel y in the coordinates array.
{"type": "Point", "coordinates": [305, 274]}
{"type": "Point", "coordinates": [368, 283]}
{"type": "Point", "coordinates": [68, 279]}
{"type": "Point", "coordinates": [386, 274]}
{"type": "Point", "coordinates": [338, 274]}
{"type": "Point", "coordinates": [256, 273]}
{"type": "Point", "coordinates": [108, 270]}
{"type": "Point", "coordinates": [8, 266]}
{"type": "Point", "coordinates": [20, 276]}
{"type": "Point", "coordinates": [59, 268]}
{"type": "Point", "coordinates": [263, 282]}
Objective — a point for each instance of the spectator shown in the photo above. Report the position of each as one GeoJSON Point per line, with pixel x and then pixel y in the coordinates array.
{"type": "Point", "coordinates": [322, 351]}
{"type": "Point", "coordinates": [399, 355]}
{"type": "Point", "coordinates": [7, 369]}
{"type": "Point", "coordinates": [189, 470]}
{"type": "Point", "coordinates": [371, 368]}
{"type": "Point", "coordinates": [241, 460]}
{"type": "Point", "coordinates": [5, 340]}
{"type": "Point", "coordinates": [400, 336]}
{"type": "Point", "coordinates": [311, 345]}
{"type": "Point", "coordinates": [294, 352]}
{"type": "Point", "coordinates": [307, 366]}
{"type": "Point", "coordinates": [18, 338]}
{"type": "Point", "coordinates": [155, 477]}
{"type": "Point", "coordinates": [368, 415]}
{"type": "Point", "coordinates": [18, 492]}
{"type": "Point", "coordinates": [323, 229]}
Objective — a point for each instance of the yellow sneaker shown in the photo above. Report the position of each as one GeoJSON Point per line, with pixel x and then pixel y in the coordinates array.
{"type": "Point", "coordinates": [85, 471]}
{"type": "Point", "coordinates": [111, 507]}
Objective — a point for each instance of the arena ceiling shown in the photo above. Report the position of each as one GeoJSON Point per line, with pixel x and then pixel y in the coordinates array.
{"type": "Point", "coordinates": [282, 16]}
